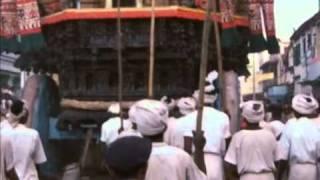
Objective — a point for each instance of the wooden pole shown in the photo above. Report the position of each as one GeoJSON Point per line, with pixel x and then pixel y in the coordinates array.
{"type": "Point", "coordinates": [198, 135]}
{"type": "Point", "coordinates": [254, 78]}
{"type": "Point", "coordinates": [119, 49]}
{"type": "Point", "coordinates": [151, 60]}
{"type": "Point", "coordinates": [219, 59]}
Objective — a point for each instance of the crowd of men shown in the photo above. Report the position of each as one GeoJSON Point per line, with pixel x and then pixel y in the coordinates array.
{"type": "Point", "coordinates": [260, 150]}
{"type": "Point", "coordinates": [156, 142]}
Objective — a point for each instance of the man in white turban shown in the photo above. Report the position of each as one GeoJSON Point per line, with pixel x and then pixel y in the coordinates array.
{"type": "Point", "coordinates": [166, 162]}
{"type": "Point", "coordinates": [299, 141]}
{"type": "Point", "coordinates": [253, 151]}
{"type": "Point", "coordinates": [216, 127]}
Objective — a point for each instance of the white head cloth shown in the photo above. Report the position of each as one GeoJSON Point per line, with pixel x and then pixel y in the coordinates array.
{"type": "Point", "coordinates": [171, 104]}
{"type": "Point", "coordinates": [304, 104]}
{"type": "Point", "coordinates": [186, 105]}
{"type": "Point", "coordinates": [114, 108]}
{"type": "Point", "coordinates": [150, 116]}
{"type": "Point", "coordinates": [253, 111]}
{"type": "Point", "coordinates": [209, 97]}
{"type": "Point", "coordinates": [212, 76]}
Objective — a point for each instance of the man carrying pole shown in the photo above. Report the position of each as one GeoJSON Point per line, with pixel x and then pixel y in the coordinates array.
{"type": "Point", "coordinates": [213, 163]}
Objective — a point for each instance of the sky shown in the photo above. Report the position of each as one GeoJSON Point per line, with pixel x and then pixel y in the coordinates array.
{"type": "Point", "coordinates": [290, 14]}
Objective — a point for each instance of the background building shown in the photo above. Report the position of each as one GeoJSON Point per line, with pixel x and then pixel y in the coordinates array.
{"type": "Point", "coordinates": [9, 75]}
{"type": "Point", "coordinates": [303, 57]}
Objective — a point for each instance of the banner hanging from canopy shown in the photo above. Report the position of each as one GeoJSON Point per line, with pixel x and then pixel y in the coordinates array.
{"type": "Point", "coordinates": [20, 27]}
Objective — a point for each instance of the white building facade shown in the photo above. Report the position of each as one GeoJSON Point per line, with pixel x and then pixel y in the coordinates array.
{"type": "Point", "coordinates": [304, 55]}
{"type": "Point", "coordinates": [9, 75]}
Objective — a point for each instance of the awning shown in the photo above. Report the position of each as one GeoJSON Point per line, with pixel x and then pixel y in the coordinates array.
{"type": "Point", "coordinates": [136, 13]}
{"type": "Point", "coordinates": [315, 82]}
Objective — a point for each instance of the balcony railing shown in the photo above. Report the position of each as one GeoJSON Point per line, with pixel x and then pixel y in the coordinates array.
{"type": "Point", "coordinates": [48, 7]}
{"type": "Point", "coordinates": [79, 4]}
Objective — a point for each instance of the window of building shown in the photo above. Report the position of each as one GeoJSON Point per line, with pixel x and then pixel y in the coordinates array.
{"type": "Point", "coordinates": [304, 46]}
{"type": "Point", "coordinates": [296, 54]}
{"type": "Point", "coordinates": [309, 39]}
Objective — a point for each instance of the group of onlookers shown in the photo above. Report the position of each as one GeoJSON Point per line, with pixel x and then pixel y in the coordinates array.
{"type": "Point", "coordinates": [156, 140]}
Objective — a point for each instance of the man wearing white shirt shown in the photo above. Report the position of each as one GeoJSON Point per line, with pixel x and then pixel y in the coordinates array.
{"type": "Point", "coordinates": [299, 141]}
{"type": "Point", "coordinates": [166, 162]}
{"type": "Point", "coordinates": [27, 146]}
{"type": "Point", "coordinates": [110, 129]}
{"type": "Point", "coordinates": [186, 105]}
{"type": "Point", "coordinates": [253, 151]}
{"type": "Point", "coordinates": [216, 127]}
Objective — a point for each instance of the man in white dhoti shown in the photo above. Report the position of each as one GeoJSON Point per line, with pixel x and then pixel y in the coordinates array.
{"type": "Point", "coordinates": [253, 151]}
{"type": "Point", "coordinates": [127, 158]}
{"type": "Point", "coordinates": [299, 141]}
{"type": "Point", "coordinates": [166, 162]}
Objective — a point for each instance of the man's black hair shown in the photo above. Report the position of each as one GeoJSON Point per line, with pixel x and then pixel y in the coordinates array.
{"type": "Point", "coordinates": [17, 107]}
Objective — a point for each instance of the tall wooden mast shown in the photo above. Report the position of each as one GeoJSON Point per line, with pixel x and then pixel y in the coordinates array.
{"type": "Point", "coordinates": [119, 53]}
{"type": "Point", "coordinates": [151, 59]}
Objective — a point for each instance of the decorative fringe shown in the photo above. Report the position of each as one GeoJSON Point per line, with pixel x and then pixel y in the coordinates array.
{"type": "Point", "coordinates": [32, 42]}
{"type": "Point", "coordinates": [273, 45]}
{"type": "Point", "coordinates": [230, 38]}
{"type": "Point", "coordinates": [9, 44]}
{"type": "Point", "coordinates": [257, 43]}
